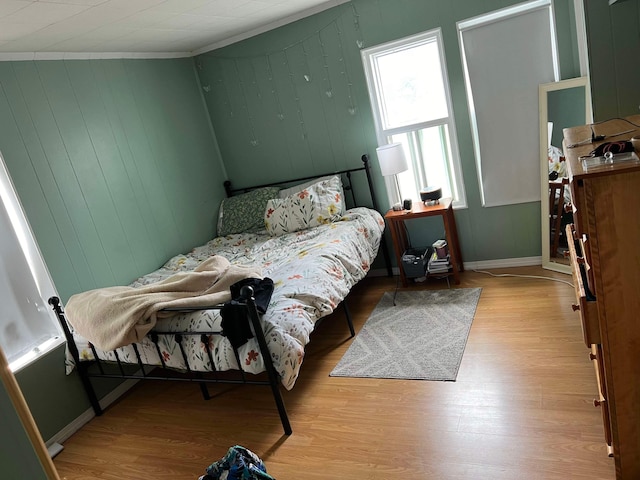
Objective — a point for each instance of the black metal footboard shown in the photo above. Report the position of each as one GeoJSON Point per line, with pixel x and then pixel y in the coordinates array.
{"type": "Point", "coordinates": [99, 368]}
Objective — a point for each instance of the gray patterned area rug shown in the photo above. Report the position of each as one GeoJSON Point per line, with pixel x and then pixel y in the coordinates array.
{"type": "Point", "coordinates": [422, 337]}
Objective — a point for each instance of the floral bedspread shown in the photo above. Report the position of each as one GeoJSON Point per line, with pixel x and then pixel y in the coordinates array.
{"type": "Point", "coordinates": [312, 270]}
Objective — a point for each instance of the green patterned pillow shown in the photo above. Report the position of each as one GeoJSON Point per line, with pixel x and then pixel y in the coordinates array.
{"type": "Point", "coordinates": [245, 212]}
{"type": "Point", "coordinates": [318, 204]}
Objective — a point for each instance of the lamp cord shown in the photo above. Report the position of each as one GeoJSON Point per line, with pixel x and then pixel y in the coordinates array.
{"type": "Point", "coordinates": [596, 138]}
{"type": "Point", "coordinates": [406, 231]}
{"type": "Point", "coordinates": [395, 293]}
{"type": "Point", "coordinates": [524, 276]}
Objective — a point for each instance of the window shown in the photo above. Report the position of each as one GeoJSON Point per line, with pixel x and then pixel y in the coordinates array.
{"type": "Point", "coordinates": [28, 326]}
{"type": "Point", "coordinates": [409, 92]}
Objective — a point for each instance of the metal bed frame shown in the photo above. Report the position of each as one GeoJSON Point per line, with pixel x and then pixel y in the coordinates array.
{"type": "Point", "coordinates": [103, 369]}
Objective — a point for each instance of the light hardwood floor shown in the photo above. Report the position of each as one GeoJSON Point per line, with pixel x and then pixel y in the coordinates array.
{"type": "Point", "coordinates": [521, 407]}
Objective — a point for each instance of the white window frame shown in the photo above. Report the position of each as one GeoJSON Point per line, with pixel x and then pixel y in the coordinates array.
{"type": "Point", "coordinates": [37, 269]}
{"type": "Point", "coordinates": [384, 135]}
{"type": "Point", "coordinates": [581, 29]}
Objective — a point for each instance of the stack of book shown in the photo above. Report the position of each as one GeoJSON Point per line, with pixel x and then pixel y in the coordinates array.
{"type": "Point", "coordinates": [437, 264]}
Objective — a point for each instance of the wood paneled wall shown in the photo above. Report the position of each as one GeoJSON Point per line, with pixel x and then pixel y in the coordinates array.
{"type": "Point", "coordinates": [117, 168]}
{"type": "Point", "coordinates": [114, 162]}
{"type": "Point", "coordinates": [296, 106]}
{"type": "Point", "coordinates": [614, 50]}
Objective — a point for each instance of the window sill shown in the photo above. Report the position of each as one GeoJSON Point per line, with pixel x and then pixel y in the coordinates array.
{"type": "Point", "coordinates": [36, 353]}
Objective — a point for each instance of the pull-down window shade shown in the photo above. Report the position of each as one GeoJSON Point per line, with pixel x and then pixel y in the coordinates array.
{"type": "Point", "coordinates": [506, 55]}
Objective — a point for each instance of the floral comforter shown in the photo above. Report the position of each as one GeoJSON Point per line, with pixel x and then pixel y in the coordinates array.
{"type": "Point", "coordinates": [312, 270]}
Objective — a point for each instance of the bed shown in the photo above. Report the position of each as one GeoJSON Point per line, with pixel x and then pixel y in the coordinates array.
{"type": "Point", "coordinates": [308, 250]}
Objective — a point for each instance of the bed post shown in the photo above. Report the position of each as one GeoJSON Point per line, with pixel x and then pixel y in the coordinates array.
{"type": "Point", "coordinates": [385, 249]}
{"type": "Point", "coordinates": [246, 296]}
{"type": "Point", "coordinates": [367, 170]}
{"type": "Point", "coordinates": [73, 349]}
{"type": "Point", "coordinates": [227, 188]}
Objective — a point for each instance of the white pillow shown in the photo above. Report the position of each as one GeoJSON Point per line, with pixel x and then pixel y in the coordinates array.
{"type": "Point", "coordinates": [317, 204]}
{"type": "Point", "coordinates": [285, 192]}
{"type": "Point", "coordinates": [557, 161]}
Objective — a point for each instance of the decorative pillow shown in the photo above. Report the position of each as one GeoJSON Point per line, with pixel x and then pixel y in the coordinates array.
{"type": "Point", "coordinates": [315, 205]}
{"type": "Point", "coordinates": [285, 192]}
{"type": "Point", "coordinates": [245, 212]}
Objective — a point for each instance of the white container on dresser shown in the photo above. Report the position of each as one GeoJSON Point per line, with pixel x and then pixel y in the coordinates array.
{"type": "Point", "coordinates": [605, 258]}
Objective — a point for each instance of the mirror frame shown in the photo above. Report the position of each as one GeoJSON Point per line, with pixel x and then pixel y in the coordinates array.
{"type": "Point", "coordinates": [543, 90]}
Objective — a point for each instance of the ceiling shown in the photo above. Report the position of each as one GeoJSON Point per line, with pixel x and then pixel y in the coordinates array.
{"type": "Point", "coordinates": [142, 28]}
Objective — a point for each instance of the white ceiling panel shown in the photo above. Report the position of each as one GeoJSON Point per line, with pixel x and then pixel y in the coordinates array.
{"type": "Point", "coordinates": [13, 31]}
{"type": "Point", "coordinates": [147, 19]}
{"type": "Point", "coordinates": [41, 13]}
{"type": "Point", "coordinates": [92, 3]}
{"type": "Point", "coordinates": [8, 7]}
{"type": "Point", "coordinates": [44, 28]}
{"type": "Point", "coordinates": [217, 8]}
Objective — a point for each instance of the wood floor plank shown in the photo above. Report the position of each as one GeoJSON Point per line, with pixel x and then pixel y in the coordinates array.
{"type": "Point", "coordinates": [520, 408]}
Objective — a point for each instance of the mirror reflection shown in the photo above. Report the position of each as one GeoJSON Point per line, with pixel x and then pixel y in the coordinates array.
{"type": "Point", "coordinates": [562, 104]}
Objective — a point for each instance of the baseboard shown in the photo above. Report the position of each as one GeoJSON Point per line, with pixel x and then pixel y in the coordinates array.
{"type": "Point", "coordinates": [503, 263]}
{"type": "Point", "coordinates": [382, 272]}
{"type": "Point", "coordinates": [54, 449]}
{"type": "Point", "coordinates": [481, 265]}
{"type": "Point", "coordinates": [85, 417]}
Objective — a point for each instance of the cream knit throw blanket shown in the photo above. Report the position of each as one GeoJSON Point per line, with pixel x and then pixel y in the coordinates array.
{"type": "Point", "coordinates": [116, 316]}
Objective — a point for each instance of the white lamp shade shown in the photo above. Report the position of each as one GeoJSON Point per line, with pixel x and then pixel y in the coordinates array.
{"type": "Point", "coordinates": [392, 159]}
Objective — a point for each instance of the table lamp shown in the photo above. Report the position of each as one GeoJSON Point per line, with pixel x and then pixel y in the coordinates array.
{"type": "Point", "coordinates": [392, 161]}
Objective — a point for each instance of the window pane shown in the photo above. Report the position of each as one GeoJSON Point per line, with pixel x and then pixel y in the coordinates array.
{"type": "Point", "coordinates": [28, 326]}
{"type": "Point", "coordinates": [25, 321]}
{"type": "Point", "coordinates": [407, 83]}
{"type": "Point", "coordinates": [411, 85]}
{"type": "Point", "coordinates": [429, 151]}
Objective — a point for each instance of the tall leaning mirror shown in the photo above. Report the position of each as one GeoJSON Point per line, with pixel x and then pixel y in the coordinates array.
{"type": "Point", "coordinates": [563, 104]}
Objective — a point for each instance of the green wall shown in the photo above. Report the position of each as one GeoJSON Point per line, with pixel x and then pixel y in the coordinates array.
{"type": "Point", "coordinates": [117, 168]}
{"type": "Point", "coordinates": [565, 108]}
{"type": "Point", "coordinates": [294, 101]}
{"type": "Point", "coordinates": [613, 33]}
{"type": "Point", "coordinates": [18, 458]}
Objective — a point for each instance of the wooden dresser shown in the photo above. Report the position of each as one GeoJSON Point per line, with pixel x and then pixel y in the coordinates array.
{"type": "Point", "coordinates": [605, 258]}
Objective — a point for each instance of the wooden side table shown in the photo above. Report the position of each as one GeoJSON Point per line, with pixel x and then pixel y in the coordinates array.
{"type": "Point", "coordinates": [396, 221]}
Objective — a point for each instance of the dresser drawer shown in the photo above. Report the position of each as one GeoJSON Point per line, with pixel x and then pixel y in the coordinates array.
{"type": "Point", "coordinates": [585, 301]}
{"type": "Point", "coordinates": [601, 400]}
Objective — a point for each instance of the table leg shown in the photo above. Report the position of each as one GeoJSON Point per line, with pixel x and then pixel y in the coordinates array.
{"type": "Point", "coordinates": [454, 232]}
{"type": "Point", "coordinates": [398, 239]}
{"type": "Point", "coordinates": [452, 239]}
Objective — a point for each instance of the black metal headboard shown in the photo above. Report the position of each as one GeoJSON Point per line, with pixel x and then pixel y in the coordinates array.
{"type": "Point", "coordinates": [347, 184]}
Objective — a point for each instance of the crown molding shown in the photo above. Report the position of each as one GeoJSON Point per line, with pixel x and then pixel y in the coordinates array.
{"type": "Point", "coordinates": [28, 56]}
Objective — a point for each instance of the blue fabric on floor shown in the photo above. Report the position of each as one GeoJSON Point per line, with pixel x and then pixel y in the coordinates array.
{"type": "Point", "coordinates": [238, 464]}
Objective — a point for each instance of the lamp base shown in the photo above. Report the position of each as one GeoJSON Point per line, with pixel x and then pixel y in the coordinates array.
{"type": "Point", "coordinates": [431, 203]}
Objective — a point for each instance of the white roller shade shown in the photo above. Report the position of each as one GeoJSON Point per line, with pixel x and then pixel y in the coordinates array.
{"type": "Point", "coordinates": [506, 55]}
